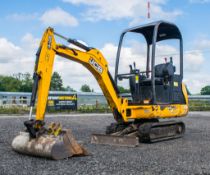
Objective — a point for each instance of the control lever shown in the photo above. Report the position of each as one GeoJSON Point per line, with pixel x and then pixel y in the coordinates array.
{"type": "Point", "coordinates": [171, 60]}
{"type": "Point", "coordinates": [131, 69]}
{"type": "Point", "coordinates": [165, 60]}
{"type": "Point", "coordinates": [134, 65]}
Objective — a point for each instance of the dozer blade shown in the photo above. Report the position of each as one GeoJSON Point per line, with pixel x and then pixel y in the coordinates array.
{"type": "Point", "coordinates": [129, 141]}
{"type": "Point", "coordinates": [49, 146]}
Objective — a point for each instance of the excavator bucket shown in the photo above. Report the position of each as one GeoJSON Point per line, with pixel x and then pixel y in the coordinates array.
{"type": "Point", "coordinates": [49, 146]}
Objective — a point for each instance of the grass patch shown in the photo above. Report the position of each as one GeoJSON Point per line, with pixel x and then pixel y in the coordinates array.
{"type": "Point", "coordinates": [14, 110]}
{"type": "Point", "coordinates": [199, 105]}
{"type": "Point", "coordinates": [94, 109]}
{"type": "Point", "coordinates": [81, 109]}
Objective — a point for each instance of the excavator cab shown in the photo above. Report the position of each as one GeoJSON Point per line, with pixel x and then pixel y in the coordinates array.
{"type": "Point", "coordinates": [158, 83]}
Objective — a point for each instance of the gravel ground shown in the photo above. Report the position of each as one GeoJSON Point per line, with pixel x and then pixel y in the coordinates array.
{"type": "Point", "coordinates": [188, 155]}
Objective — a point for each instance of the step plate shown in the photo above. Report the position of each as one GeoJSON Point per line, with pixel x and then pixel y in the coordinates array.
{"type": "Point", "coordinates": [128, 141]}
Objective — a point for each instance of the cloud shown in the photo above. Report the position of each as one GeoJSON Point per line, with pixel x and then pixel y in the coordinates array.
{"type": "Point", "coordinates": [194, 61]}
{"type": "Point", "coordinates": [109, 51]}
{"type": "Point", "coordinates": [8, 50]}
{"type": "Point", "coordinates": [129, 55]}
{"type": "Point", "coordinates": [199, 1]}
{"type": "Point", "coordinates": [51, 17]}
{"type": "Point", "coordinates": [58, 16]}
{"type": "Point", "coordinates": [202, 43]}
{"type": "Point", "coordinates": [18, 58]}
{"type": "Point", "coordinates": [22, 16]}
{"type": "Point", "coordinates": [135, 10]}
{"type": "Point", "coordinates": [196, 81]}
{"type": "Point", "coordinates": [30, 42]}
{"type": "Point", "coordinates": [74, 74]}
{"type": "Point", "coordinates": [193, 66]}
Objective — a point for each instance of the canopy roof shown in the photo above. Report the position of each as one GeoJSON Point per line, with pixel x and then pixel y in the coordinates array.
{"type": "Point", "coordinates": [166, 30]}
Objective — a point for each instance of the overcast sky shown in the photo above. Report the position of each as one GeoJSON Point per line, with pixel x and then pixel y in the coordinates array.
{"type": "Point", "coordinates": [99, 24]}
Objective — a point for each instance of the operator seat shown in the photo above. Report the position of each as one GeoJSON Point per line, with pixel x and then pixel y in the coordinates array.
{"type": "Point", "coordinates": [163, 74]}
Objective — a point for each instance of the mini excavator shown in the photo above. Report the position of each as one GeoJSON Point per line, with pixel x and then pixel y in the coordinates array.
{"type": "Point", "coordinates": [155, 94]}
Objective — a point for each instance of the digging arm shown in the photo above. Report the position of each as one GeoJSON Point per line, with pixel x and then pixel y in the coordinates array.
{"type": "Point", "coordinates": [90, 58]}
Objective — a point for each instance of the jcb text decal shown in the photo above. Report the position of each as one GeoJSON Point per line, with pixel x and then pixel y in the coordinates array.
{"type": "Point", "coordinates": [96, 65]}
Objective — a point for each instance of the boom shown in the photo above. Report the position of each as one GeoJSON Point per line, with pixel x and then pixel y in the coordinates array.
{"type": "Point", "coordinates": [92, 59]}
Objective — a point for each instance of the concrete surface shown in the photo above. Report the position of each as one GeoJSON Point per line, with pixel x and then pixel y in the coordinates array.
{"type": "Point", "coordinates": [188, 155]}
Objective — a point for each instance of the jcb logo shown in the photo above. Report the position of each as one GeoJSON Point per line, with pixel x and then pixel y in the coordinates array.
{"type": "Point", "coordinates": [96, 65]}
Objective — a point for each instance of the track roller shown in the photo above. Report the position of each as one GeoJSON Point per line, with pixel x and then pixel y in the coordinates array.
{"type": "Point", "coordinates": [159, 131]}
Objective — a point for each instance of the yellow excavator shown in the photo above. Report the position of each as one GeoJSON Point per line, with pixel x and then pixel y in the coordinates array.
{"type": "Point", "coordinates": [157, 93]}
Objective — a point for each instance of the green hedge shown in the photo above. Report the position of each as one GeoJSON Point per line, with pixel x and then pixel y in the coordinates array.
{"type": "Point", "coordinates": [199, 105]}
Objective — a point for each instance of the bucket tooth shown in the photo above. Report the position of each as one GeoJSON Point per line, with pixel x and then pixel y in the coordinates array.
{"type": "Point", "coordinates": [72, 145]}
{"type": "Point", "coordinates": [49, 146]}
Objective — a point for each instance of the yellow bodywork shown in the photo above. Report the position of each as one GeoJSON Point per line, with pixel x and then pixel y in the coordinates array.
{"type": "Point", "coordinates": [94, 61]}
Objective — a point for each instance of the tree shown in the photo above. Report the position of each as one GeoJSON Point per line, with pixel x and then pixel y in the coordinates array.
{"type": "Point", "coordinates": [85, 88]}
{"type": "Point", "coordinates": [123, 90]}
{"type": "Point", "coordinates": [56, 82]}
{"type": "Point", "coordinates": [23, 82]}
{"type": "Point", "coordinates": [26, 83]}
{"type": "Point", "coordinates": [205, 90]}
{"type": "Point", "coordinates": [9, 83]}
{"type": "Point", "coordinates": [16, 83]}
{"type": "Point", "coordinates": [68, 88]}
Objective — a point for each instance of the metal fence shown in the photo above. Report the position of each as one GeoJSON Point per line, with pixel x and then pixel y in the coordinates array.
{"type": "Point", "coordinates": [200, 97]}
{"type": "Point", "coordinates": [23, 98]}
{"type": "Point", "coordinates": [84, 98]}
